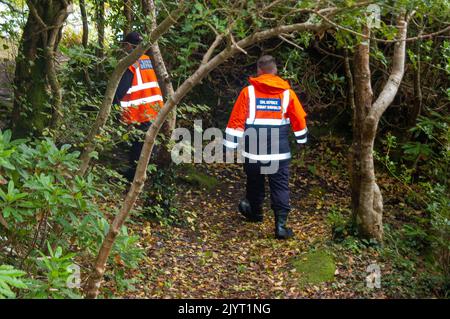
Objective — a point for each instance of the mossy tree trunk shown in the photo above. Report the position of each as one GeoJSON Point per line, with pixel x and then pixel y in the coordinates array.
{"type": "Point", "coordinates": [37, 96]}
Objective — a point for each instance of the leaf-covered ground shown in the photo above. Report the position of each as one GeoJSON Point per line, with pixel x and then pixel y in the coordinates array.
{"type": "Point", "coordinates": [219, 255]}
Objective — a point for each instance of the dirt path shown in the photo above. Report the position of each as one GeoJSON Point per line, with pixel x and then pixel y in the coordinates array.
{"type": "Point", "coordinates": [219, 255]}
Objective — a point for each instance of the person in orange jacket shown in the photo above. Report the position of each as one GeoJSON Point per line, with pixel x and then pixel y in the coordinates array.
{"type": "Point", "coordinates": [267, 107]}
{"type": "Point", "coordinates": [140, 97]}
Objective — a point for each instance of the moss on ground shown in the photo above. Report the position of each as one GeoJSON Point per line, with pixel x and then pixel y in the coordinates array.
{"type": "Point", "coordinates": [316, 267]}
{"type": "Point", "coordinates": [192, 176]}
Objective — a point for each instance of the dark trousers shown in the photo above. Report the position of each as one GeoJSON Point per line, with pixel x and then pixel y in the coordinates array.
{"type": "Point", "coordinates": [278, 183]}
{"type": "Point", "coordinates": [134, 152]}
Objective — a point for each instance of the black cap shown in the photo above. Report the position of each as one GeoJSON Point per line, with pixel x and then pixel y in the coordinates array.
{"type": "Point", "coordinates": [133, 38]}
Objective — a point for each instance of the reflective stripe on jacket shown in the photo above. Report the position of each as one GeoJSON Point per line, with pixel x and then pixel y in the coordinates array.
{"type": "Point", "coordinates": [144, 98]}
{"type": "Point", "coordinates": [266, 109]}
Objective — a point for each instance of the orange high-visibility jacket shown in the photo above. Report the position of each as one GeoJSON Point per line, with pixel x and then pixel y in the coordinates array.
{"type": "Point", "coordinates": [269, 102]}
{"type": "Point", "coordinates": [144, 98]}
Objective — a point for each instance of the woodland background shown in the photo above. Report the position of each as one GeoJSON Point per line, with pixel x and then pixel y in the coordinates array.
{"type": "Point", "coordinates": [370, 188]}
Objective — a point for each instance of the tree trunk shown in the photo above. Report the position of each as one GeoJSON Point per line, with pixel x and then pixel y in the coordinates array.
{"type": "Point", "coordinates": [128, 13]}
{"type": "Point", "coordinates": [417, 104]}
{"type": "Point", "coordinates": [353, 157]}
{"type": "Point", "coordinates": [85, 39]}
{"type": "Point", "coordinates": [149, 10]}
{"type": "Point", "coordinates": [160, 66]}
{"type": "Point", "coordinates": [35, 75]}
{"type": "Point", "coordinates": [84, 19]}
{"type": "Point", "coordinates": [363, 101]}
{"type": "Point", "coordinates": [366, 196]}
{"type": "Point", "coordinates": [100, 20]}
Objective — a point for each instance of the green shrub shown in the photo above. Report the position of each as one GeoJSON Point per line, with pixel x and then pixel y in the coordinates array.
{"type": "Point", "coordinates": [10, 278]}
{"type": "Point", "coordinates": [439, 210]}
{"type": "Point", "coordinates": [54, 273]}
{"type": "Point", "coordinates": [47, 210]}
{"type": "Point", "coordinates": [340, 225]}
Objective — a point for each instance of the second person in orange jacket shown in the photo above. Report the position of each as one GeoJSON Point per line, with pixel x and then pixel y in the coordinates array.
{"type": "Point", "coordinates": [140, 98]}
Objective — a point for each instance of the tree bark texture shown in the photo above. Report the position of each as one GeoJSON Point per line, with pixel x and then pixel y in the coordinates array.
{"type": "Point", "coordinates": [365, 191]}
{"type": "Point", "coordinates": [37, 93]}
{"type": "Point", "coordinates": [100, 21]}
{"type": "Point", "coordinates": [160, 66]}
{"type": "Point", "coordinates": [149, 10]}
{"type": "Point", "coordinates": [85, 39]}
{"type": "Point", "coordinates": [84, 19]}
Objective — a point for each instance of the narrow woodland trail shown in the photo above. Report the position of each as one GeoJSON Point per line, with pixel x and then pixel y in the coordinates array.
{"type": "Point", "coordinates": [219, 255]}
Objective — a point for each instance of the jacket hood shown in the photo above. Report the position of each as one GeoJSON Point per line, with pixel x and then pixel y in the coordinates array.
{"type": "Point", "coordinates": [269, 83]}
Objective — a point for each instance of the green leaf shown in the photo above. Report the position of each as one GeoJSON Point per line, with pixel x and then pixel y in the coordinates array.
{"type": "Point", "coordinates": [9, 277]}
{"type": "Point", "coordinates": [93, 154]}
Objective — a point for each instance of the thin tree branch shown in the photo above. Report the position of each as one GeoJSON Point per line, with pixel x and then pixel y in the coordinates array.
{"type": "Point", "coordinates": [290, 42]}
{"type": "Point", "coordinates": [211, 49]}
{"type": "Point", "coordinates": [388, 93]}
{"type": "Point", "coordinates": [161, 69]}
{"type": "Point", "coordinates": [424, 36]}
{"type": "Point", "coordinates": [318, 48]}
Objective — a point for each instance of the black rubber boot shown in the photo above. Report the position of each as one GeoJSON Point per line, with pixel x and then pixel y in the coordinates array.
{"type": "Point", "coordinates": [281, 231]}
{"type": "Point", "coordinates": [251, 215]}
